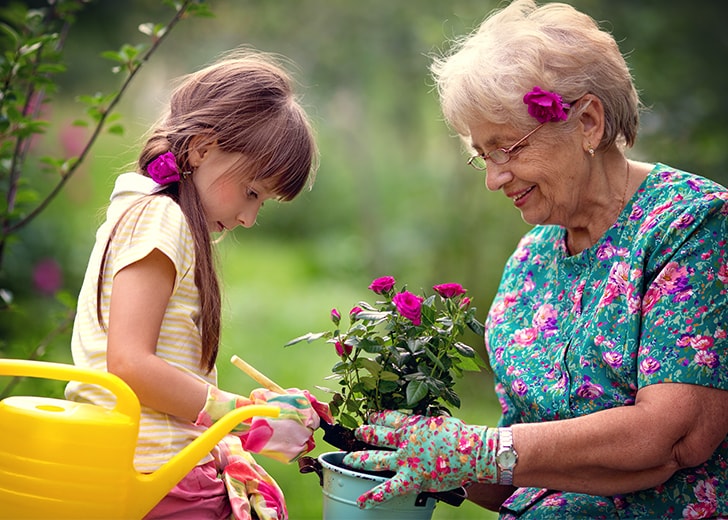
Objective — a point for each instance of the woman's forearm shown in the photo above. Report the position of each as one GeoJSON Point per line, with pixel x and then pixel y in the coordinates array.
{"type": "Point", "coordinates": [623, 449]}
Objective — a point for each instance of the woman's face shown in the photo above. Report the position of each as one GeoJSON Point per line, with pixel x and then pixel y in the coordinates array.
{"type": "Point", "coordinates": [229, 196]}
{"type": "Point", "coordinates": [544, 176]}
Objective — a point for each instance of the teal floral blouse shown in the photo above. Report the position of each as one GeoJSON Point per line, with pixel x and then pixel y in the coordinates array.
{"type": "Point", "coordinates": [572, 335]}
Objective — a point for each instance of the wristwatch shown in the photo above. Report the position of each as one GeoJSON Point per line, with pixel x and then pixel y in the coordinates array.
{"type": "Point", "coordinates": [506, 457]}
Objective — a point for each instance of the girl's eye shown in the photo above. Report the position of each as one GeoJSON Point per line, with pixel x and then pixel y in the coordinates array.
{"type": "Point", "coordinates": [252, 194]}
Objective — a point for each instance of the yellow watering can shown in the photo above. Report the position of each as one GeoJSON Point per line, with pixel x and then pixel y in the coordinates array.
{"type": "Point", "coordinates": [62, 459]}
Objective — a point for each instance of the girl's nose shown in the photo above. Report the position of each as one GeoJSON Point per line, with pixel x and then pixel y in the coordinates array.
{"type": "Point", "coordinates": [248, 217]}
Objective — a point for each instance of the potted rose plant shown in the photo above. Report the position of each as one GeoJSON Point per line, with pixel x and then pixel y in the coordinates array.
{"type": "Point", "coordinates": [403, 352]}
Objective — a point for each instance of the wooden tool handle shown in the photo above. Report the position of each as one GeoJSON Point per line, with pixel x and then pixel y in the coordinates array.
{"type": "Point", "coordinates": [256, 375]}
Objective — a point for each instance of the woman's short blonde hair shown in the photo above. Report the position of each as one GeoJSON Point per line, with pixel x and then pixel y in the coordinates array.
{"type": "Point", "coordinates": [555, 47]}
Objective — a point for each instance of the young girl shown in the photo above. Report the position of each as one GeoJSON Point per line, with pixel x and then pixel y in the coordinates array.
{"type": "Point", "coordinates": [149, 307]}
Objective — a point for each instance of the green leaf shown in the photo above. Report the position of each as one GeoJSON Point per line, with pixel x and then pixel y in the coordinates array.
{"type": "Point", "coordinates": [369, 345]}
{"type": "Point", "coordinates": [367, 315]}
{"type": "Point", "coordinates": [388, 376]}
{"type": "Point", "coordinates": [428, 316]}
{"type": "Point", "coordinates": [464, 349]}
{"type": "Point", "coordinates": [348, 421]}
{"type": "Point", "coordinates": [434, 359]}
{"type": "Point", "coordinates": [365, 383]}
{"type": "Point", "coordinates": [388, 387]}
{"type": "Point", "coordinates": [416, 391]}
{"type": "Point", "coordinates": [475, 325]}
{"type": "Point", "coordinates": [311, 336]}
{"type": "Point", "coordinates": [369, 365]}
{"type": "Point", "coordinates": [469, 364]}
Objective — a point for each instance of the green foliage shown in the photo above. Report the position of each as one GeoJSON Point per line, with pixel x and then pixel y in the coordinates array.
{"type": "Point", "coordinates": [402, 353]}
{"type": "Point", "coordinates": [31, 64]}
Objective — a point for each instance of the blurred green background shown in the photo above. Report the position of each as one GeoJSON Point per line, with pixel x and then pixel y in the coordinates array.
{"type": "Point", "coordinates": [393, 194]}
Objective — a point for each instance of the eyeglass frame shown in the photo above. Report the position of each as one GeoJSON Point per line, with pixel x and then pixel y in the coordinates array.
{"type": "Point", "coordinates": [507, 151]}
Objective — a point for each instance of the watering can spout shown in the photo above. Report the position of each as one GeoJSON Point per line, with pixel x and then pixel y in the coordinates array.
{"type": "Point", "coordinates": [67, 460]}
{"type": "Point", "coordinates": [154, 486]}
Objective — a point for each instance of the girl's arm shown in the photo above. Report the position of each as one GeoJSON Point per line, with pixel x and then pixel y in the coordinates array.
{"type": "Point", "coordinates": [139, 296]}
{"type": "Point", "coordinates": [671, 426]}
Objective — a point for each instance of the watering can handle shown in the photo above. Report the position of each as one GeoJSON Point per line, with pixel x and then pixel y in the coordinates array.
{"type": "Point", "coordinates": [127, 402]}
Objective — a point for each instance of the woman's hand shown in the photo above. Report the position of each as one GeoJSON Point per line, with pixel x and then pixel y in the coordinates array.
{"type": "Point", "coordinates": [431, 454]}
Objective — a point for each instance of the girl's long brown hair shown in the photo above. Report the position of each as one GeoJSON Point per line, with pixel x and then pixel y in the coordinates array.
{"type": "Point", "coordinates": [245, 101]}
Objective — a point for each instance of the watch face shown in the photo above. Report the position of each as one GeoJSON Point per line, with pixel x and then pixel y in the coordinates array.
{"type": "Point", "coordinates": [507, 459]}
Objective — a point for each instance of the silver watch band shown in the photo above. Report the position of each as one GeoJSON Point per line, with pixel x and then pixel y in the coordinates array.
{"type": "Point", "coordinates": [506, 456]}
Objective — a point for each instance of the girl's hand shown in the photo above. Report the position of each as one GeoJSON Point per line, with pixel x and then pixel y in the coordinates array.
{"type": "Point", "coordinates": [284, 438]}
{"type": "Point", "coordinates": [431, 454]}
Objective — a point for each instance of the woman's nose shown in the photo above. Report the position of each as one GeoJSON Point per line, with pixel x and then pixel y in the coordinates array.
{"type": "Point", "coordinates": [496, 176]}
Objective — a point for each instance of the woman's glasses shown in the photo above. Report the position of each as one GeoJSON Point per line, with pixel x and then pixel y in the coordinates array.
{"type": "Point", "coordinates": [500, 155]}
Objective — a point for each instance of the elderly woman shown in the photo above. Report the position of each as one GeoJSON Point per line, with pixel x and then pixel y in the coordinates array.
{"type": "Point", "coordinates": [608, 334]}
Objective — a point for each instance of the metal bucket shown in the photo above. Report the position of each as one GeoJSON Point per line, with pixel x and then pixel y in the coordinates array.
{"type": "Point", "coordinates": [343, 485]}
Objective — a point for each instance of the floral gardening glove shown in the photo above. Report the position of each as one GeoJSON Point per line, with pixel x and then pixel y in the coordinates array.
{"type": "Point", "coordinates": [284, 438]}
{"type": "Point", "coordinates": [253, 493]}
{"type": "Point", "coordinates": [432, 454]}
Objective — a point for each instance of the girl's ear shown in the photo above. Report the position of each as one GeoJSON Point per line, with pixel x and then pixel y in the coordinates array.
{"type": "Point", "coordinates": [199, 147]}
{"type": "Point", "coordinates": [592, 121]}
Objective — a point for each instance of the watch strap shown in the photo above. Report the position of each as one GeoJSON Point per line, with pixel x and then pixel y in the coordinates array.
{"type": "Point", "coordinates": [505, 447]}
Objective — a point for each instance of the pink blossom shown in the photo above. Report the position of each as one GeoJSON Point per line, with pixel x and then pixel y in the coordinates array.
{"type": "Point", "coordinates": [354, 312]}
{"type": "Point", "coordinates": [699, 510]}
{"type": "Point", "coordinates": [701, 342]}
{"type": "Point", "coordinates": [649, 365]}
{"type": "Point", "coordinates": [525, 337]}
{"type": "Point", "coordinates": [519, 387]}
{"type": "Point", "coordinates": [683, 221]}
{"type": "Point", "coordinates": [650, 299]}
{"type": "Point", "coordinates": [409, 305]}
{"type": "Point", "coordinates": [448, 290]}
{"type": "Point", "coordinates": [382, 285]}
{"type": "Point", "coordinates": [589, 390]}
{"type": "Point", "coordinates": [707, 358]}
{"type": "Point", "coordinates": [723, 272]}
{"type": "Point", "coordinates": [613, 359]}
{"type": "Point", "coordinates": [342, 349]}
{"type": "Point", "coordinates": [546, 106]}
{"type": "Point", "coordinates": [335, 316]}
{"type": "Point", "coordinates": [47, 276]}
{"type": "Point", "coordinates": [164, 169]}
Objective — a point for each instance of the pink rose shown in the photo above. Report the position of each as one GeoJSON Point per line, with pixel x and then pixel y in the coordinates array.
{"type": "Point", "coordinates": [409, 305]}
{"type": "Point", "coordinates": [354, 312]}
{"type": "Point", "coordinates": [342, 349]}
{"type": "Point", "coordinates": [448, 290]}
{"type": "Point", "coordinates": [335, 316]}
{"type": "Point", "coordinates": [382, 285]}
{"type": "Point", "coordinates": [164, 169]}
{"type": "Point", "coordinates": [545, 106]}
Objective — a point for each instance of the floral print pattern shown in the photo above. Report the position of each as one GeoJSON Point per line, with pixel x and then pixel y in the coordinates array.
{"type": "Point", "coordinates": [430, 454]}
{"type": "Point", "coordinates": [571, 335]}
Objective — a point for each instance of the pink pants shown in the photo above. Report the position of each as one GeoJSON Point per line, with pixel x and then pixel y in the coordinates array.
{"type": "Point", "coordinates": [201, 495]}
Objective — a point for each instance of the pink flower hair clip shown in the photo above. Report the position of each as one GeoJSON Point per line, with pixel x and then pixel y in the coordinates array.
{"type": "Point", "coordinates": [545, 106]}
{"type": "Point", "coordinates": [164, 170]}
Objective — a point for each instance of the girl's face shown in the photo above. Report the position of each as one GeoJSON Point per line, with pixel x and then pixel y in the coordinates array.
{"type": "Point", "coordinates": [542, 178]}
{"type": "Point", "coordinates": [229, 196]}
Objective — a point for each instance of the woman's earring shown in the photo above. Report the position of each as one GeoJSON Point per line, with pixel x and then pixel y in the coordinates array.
{"type": "Point", "coordinates": [591, 151]}
{"type": "Point", "coordinates": [186, 174]}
